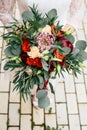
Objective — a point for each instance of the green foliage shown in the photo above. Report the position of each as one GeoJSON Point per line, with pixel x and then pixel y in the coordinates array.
{"type": "Point", "coordinates": [41, 94]}
{"type": "Point", "coordinates": [81, 44]}
{"type": "Point", "coordinates": [43, 102]}
{"type": "Point", "coordinates": [51, 16]}
{"type": "Point", "coordinates": [70, 37]}
{"type": "Point", "coordinates": [45, 65]}
{"type": "Point", "coordinates": [51, 87]}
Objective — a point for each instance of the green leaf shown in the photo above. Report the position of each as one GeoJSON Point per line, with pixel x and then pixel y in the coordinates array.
{"type": "Point", "coordinates": [66, 50]}
{"type": "Point", "coordinates": [44, 102]}
{"type": "Point", "coordinates": [11, 65]}
{"type": "Point", "coordinates": [32, 82]}
{"type": "Point", "coordinates": [27, 83]}
{"type": "Point", "coordinates": [45, 65]}
{"type": "Point", "coordinates": [58, 69]}
{"type": "Point", "coordinates": [51, 87]}
{"type": "Point", "coordinates": [8, 52]}
{"type": "Point", "coordinates": [70, 38]}
{"type": "Point", "coordinates": [82, 56]}
{"type": "Point", "coordinates": [41, 81]}
{"type": "Point", "coordinates": [46, 75]}
{"type": "Point", "coordinates": [75, 51]}
{"type": "Point", "coordinates": [41, 94]}
{"type": "Point", "coordinates": [27, 16]}
{"type": "Point", "coordinates": [17, 51]}
{"type": "Point", "coordinates": [52, 13]}
{"type": "Point", "coordinates": [81, 44]}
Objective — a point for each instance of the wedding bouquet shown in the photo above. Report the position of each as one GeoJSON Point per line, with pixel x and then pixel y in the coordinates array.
{"type": "Point", "coordinates": [39, 49]}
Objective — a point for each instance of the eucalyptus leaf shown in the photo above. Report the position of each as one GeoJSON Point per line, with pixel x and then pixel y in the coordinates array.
{"type": "Point", "coordinates": [82, 56]}
{"type": "Point", "coordinates": [16, 51]}
{"type": "Point", "coordinates": [66, 50]}
{"type": "Point", "coordinates": [41, 94]}
{"type": "Point", "coordinates": [46, 75]}
{"type": "Point", "coordinates": [8, 52]}
{"type": "Point", "coordinates": [43, 102]}
{"type": "Point", "coordinates": [70, 38]}
{"type": "Point", "coordinates": [41, 81]}
{"type": "Point", "coordinates": [81, 44]}
{"type": "Point", "coordinates": [45, 65]}
{"type": "Point", "coordinates": [27, 16]}
{"type": "Point", "coordinates": [52, 13]}
{"type": "Point", "coordinates": [75, 51]}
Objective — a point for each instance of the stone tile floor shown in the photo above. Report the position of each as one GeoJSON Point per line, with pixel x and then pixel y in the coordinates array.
{"type": "Point", "coordinates": [68, 107]}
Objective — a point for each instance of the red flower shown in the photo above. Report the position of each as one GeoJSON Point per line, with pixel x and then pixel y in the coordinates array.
{"type": "Point", "coordinates": [24, 38]}
{"type": "Point", "coordinates": [25, 46]}
{"type": "Point", "coordinates": [24, 57]}
{"type": "Point", "coordinates": [34, 62]}
{"type": "Point", "coordinates": [66, 43]}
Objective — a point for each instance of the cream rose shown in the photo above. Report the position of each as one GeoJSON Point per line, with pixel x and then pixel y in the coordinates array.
{"type": "Point", "coordinates": [34, 52]}
{"type": "Point", "coordinates": [46, 29]}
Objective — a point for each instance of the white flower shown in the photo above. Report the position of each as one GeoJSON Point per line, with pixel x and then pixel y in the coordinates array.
{"type": "Point", "coordinates": [34, 52]}
{"type": "Point", "coordinates": [46, 29]}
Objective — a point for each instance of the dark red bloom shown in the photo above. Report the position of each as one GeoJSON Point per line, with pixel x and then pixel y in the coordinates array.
{"type": "Point", "coordinates": [25, 46]}
{"type": "Point", "coordinates": [66, 43]}
{"type": "Point", "coordinates": [34, 62]}
{"type": "Point", "coordinates": [24, 38]}
{"type": "Point", "coordinates": [52, 65]}
{"type": "Point", "coordinates": [24, 57]}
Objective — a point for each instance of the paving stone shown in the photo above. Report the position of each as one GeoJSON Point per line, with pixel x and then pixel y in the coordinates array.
{"type": "Point", "coordinates": [74, 122]}
{"type": "Point", "coordinates": [13, 128]}
{"type": "Point", "coordinates": [85, 27]}
{"type": "Point", "coordinates": [14, 95]}
{"type": "Point", "coordinates": [3, 122]}
{"type": "Point", "coordinates": [84, 127]}
{"type": "Point", "coordinates": [50, 120]}
{"type": "Point", "coordinates": [0, 41]}
{"type": "Point", "coordinates": [13, 114]}
{"type": "Point", "coordinates": [0, 54]}
{"type": "Point", "coordinates": [60, 93]}
{"type": "Point", "coordinates": [38, 116]}
{"type": "Point", "coordinates": [2, 66]}
{"type": "Point", "coordinates": [4, 85]}
{"type": "Point", "coordinates": [83, 113]}
{"type": "Point", "coordinates": [61, 113]}
{"type": "Point", "coordinates": [25, 122]}
{"type": "Point", "coordinates": [69, 84]}
{"type": "Point", "coordinates": [80, 34]}
{"type": "Point", "coordinates": [63, 127]}
{"type": "Point", "coordinates": [38, 128]}
{"type": "Point", "coordinates": [85, 81]}
{"type": "Point", "coordinates": [85, 68]}
{"type": "Point", "coordinates": [80, 78]}
{"type": "Point", "coordinates": [3, 102]}
{"type": "Point", "coordinates": [26, 107]}
{"type": "Point", "coordinates": [72, 104]}
{"type": "Point", "coordinates": [81, 93]}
